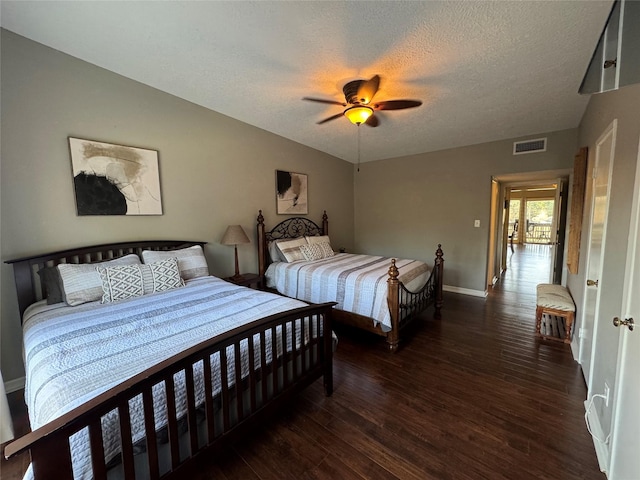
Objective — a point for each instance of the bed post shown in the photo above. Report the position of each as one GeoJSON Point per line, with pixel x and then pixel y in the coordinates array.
{"type": "Point", "coordinates": [327, 331]}
{"type": "Point", "coordinates": [439, 265]}
{"type": "Point", "coordinates": [393, 299]}
{"type": "Point", "coordinates": [325, 223]}
{"type": "Point", "coordinates": [262, 264]}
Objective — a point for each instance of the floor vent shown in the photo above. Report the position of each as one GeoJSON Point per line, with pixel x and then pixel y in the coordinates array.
{"type": "Point", "coordinates": [530, 146]}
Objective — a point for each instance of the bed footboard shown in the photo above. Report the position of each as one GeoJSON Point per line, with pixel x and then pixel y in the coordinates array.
{"type": "Point", "coordinates": [285, 353]}
{"type": "Point", "coordinates": [405, 305]}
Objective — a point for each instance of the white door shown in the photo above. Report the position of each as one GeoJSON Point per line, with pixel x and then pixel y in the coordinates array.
{"type": "Point", "coordinates": [625, 435]}
{"type": "Point", "coordinates": [605, 148]}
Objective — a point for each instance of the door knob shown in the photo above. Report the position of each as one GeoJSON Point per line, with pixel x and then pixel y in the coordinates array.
{"type": "Point", "coordinates": [592, 283]}
{"type": "Point", "coordinates": [627, 322]}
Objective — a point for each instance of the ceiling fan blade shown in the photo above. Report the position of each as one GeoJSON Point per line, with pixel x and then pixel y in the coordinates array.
{"type": "Point", "coordinates": [333, 117]}
{"type": "Point", "coordinates": [321, 100]}
{"type": "Point", "coordinates": [368, 89]}
{"type": "Point", "coordinates": [372, 121]}
{"type": "Point", "coordinates": [397, 104]}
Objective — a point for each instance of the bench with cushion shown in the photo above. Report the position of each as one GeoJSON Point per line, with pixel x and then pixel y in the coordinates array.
{"type": "Point", "coordinates": [557, 301]}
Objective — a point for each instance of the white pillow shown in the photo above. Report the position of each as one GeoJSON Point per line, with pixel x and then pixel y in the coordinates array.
{"type": "Point", "coordinates": [274, 252]}
{"type": "Point", "coordinates": [81, 282]}
{"type": "Point", "coordinates": [290, 249]}
{"type": "Point", "coordinates": [127, 281]}
{"type": "Point", "coordinates": [191, 260]}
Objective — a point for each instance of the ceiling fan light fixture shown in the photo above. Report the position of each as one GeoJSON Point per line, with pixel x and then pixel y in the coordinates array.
{"type": "Point", "coordinates": [358, 114]}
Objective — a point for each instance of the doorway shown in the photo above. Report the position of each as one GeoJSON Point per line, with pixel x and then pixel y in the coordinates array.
{"type": "Point", "coordinates": [533, 220]}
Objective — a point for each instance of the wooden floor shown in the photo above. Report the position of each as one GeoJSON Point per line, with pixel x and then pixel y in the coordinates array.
{"type": "Point", "coordinates": [471, 396]}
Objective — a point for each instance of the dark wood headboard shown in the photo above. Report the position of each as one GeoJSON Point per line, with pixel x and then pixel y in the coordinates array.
{"type": "Point", "coordinates": [30, 287]}
{"type": "Point", "coordinates": [292, 227]}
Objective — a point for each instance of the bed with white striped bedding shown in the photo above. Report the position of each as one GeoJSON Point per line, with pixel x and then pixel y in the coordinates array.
{"type": "Point", "coordinates": [358, 283]}
{"type": "Point", "coordinates": [73, 354]}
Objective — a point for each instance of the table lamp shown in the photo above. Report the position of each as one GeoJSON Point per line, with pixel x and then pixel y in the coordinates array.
{"type": "Point", "coordinates": [235, 236]}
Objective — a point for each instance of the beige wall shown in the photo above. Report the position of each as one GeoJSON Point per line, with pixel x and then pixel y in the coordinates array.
{"type": "Point", "coordinates": [214, 170]}
{"type": "Point", "coordinates": [406, 206]}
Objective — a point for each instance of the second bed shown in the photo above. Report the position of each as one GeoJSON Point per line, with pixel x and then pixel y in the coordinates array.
{"type": "Point", "coordinates": [378, 294]}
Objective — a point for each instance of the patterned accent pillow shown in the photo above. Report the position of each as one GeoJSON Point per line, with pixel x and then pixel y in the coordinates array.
{"type": "Point", "coordinates": [127, 281]}
{"type": "Point", "coordinates": [316, 251]}
{"type": "Point", "coordinates": [81, 282]}
{"type": "Point", "coordinates": [327, 251]}
{"type": "Point", "coordinates": [165, 275]}
{"type": "Point", "coordinates": [191, 260]}
{"type": "Point", "coordinates": [120, 283]}
{"type": "Point", "coordinates": [312, 252]}
{"type": "Point", "coordinates": [290, 249]}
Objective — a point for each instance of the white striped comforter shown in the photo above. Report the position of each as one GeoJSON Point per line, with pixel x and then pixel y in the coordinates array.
{"type": "Point", "coordinates": [358, 283]}
{"type": "Point", "coordinates": [73, 354]}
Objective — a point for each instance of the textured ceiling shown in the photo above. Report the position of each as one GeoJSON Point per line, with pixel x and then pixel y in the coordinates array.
{"type": "Point", "coordinates": [484, 70]}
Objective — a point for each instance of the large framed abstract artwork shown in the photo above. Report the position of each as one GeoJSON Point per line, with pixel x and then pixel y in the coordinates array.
{"type": "Point", "coordinates": [291, 193]}
{"type": "Point", "coordinates": [114, 179]}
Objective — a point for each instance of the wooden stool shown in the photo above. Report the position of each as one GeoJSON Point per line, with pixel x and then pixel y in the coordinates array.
{"type": "Point", "coordinates": [554, 300]}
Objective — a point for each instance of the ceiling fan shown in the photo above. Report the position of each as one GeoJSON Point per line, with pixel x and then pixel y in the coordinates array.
{"type": "Point", "coordinates": [359, 95]}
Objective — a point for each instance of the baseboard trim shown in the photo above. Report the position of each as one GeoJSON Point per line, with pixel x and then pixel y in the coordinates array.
{"type": "Point", "coordinates": [465, 291]}
{"type": "Point", "coordinates": [14, 385]}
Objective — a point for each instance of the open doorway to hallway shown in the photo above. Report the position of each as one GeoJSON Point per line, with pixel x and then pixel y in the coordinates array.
{"type": "Point", "coordinates": [535, 214]}
{"type": "Point", "coordinates": [530, 212]}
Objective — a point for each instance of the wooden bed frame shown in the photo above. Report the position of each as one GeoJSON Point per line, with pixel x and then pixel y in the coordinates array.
{"type": "Point", "coordinates": [404, 305]}
{"type": "Point", "coordinates": [227, 415]}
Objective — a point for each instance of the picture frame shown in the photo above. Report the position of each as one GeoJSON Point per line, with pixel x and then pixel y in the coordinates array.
{"type": "Point", "coordinates": [112, 179]}
{"type": "Point", "coordinates": [291, 193]}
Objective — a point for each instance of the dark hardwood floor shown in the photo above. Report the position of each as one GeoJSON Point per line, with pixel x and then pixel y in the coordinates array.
{"type": "Point", "coordinates": [471, 396]}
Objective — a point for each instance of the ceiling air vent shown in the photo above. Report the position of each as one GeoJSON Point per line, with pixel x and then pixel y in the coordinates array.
{"type": "Point", "coordinates": [530, 146]}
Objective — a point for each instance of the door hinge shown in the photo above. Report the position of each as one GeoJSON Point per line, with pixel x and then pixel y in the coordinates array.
{"type": "Point", "coordinates": [594, 174]}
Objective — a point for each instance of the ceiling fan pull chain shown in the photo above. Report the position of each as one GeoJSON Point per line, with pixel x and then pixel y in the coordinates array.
{"type": "Point", "coordinates": [358, 147]}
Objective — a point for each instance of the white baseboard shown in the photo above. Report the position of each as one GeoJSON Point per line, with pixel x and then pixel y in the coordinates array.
{"type": "Point", "coordinates": [602, 450]}
{"type": "Point", "coordinates": [465, 291]}
{"type": "Point", "coordinates": [14, 385]}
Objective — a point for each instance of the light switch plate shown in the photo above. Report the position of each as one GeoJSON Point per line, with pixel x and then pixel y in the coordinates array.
{"type": "Point", "coordinates": [476, 223]}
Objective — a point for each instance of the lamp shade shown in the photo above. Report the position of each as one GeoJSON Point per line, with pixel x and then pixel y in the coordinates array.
{"type": "Point", "coordinates": [358, 114]}
{"type": "Point", "coordinates": [234, 236]}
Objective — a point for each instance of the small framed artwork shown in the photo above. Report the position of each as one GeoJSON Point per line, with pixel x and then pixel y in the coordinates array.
{"type": "Point", "coordinates": [291, 193]}
{"type": "Point", "coordinates": [114, 179]}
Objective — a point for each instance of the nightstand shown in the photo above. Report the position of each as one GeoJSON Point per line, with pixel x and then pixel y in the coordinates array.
{"type": "Point", "coordinates": [251, 280]}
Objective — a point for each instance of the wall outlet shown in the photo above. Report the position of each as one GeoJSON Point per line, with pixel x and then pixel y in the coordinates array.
{"type": "Point", "coordinates": [476, 223]}
{"type": "Point", "coordinates": [606, 394]}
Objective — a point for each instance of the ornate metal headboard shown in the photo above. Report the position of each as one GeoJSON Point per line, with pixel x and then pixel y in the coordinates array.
{"type": "Point", "coordinates": [292, 227]}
